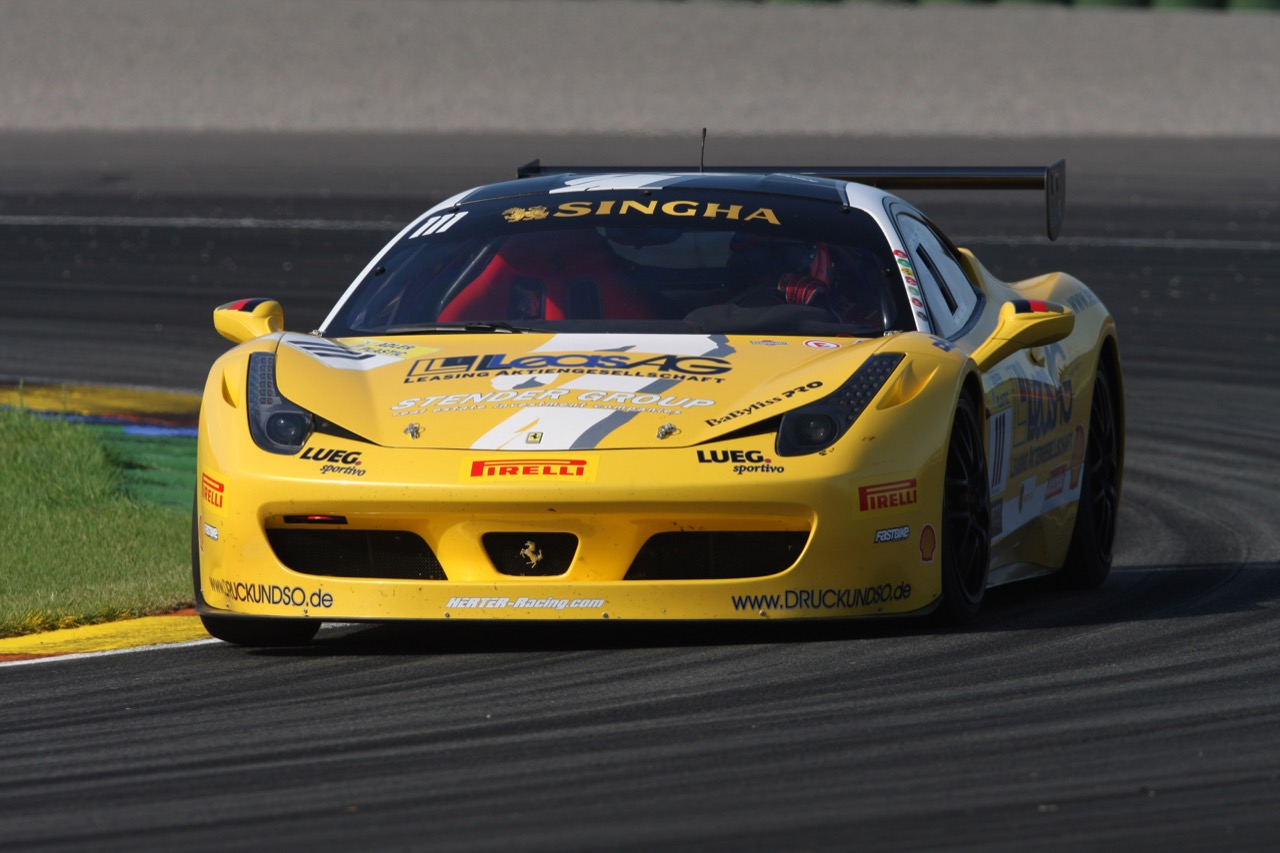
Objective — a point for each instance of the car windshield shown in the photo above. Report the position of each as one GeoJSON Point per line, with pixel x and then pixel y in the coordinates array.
{"type": "Point", "coordinates": [674, 261]}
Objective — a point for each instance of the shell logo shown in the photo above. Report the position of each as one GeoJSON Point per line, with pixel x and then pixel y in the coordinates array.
{"type": "Point", "coordinates": [928, 544]}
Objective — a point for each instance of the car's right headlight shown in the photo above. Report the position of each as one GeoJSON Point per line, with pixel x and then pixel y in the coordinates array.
{"type": "Point", "coordinates": [277, 424]}
{"type": "Point", "coordinates": [820, 424]}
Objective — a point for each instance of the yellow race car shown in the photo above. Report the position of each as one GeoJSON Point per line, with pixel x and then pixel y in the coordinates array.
{"type": "Point", "coordinates": [662, 394]}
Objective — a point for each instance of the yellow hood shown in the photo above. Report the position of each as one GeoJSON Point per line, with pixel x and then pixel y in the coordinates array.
{"type": "Point", "coordinates": [526, 392]}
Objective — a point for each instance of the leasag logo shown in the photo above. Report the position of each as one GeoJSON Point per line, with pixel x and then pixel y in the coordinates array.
{"type": "Point", "coordinates": [887, 495]}
{"type": "Point", "coordinates": [579, 469]}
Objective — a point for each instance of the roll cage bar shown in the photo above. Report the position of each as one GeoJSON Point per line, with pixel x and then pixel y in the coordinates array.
{"type": "Point", "coordinates": [1052, 179]}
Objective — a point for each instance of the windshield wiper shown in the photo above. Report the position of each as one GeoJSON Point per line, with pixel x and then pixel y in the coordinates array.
{"type": "Point", "coordinates": [424, 328]}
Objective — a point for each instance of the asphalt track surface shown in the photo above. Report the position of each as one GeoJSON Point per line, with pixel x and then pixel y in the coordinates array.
{"type": "Point", "coordinates": [1143, 716]}
{"type": "Point", "coordinates": [640, 67]}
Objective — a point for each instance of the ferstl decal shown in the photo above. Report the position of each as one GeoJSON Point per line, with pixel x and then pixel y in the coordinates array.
{"type": "Point", "coordinates": [887, 495]}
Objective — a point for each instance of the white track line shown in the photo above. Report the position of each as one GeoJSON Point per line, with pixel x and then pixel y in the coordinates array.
{"type": "Point", "coordinates": [203, 222]}
{"type": "Point", "coordinates": [81, 655]}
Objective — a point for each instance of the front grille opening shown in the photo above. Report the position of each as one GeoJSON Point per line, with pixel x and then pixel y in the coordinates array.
{"type": "Point", "coordinates": [716, 555]}
{"type": "Point", "coordinates": [389, 554]}
{"type": "Point", "coordinates": [530, 554]}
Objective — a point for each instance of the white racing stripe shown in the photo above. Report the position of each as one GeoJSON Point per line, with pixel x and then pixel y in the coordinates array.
{"type": "Point", "coordinates": [614, 182]}
{"type": "Point", "coordinates": [565, 428]}
{"type": "Point", "coordinates": [336, 355]}
{"type": "Point", "coordinates": [608, 382]}
{"type": "Point", "coordinates": [560, 429]}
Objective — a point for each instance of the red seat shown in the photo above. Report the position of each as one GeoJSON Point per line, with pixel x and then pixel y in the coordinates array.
{"type": "Point", "coordinates": [568, 275]}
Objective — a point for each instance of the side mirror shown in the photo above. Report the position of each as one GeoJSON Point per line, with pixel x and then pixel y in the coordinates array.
{"type": "Point", "coordinates": [1024, 323]}
{"type": "Point", "coordinates": [246, 319]}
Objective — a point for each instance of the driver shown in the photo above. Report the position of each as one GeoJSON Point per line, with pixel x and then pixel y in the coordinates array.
{"type": "Point", "coordinates": [772, 270]}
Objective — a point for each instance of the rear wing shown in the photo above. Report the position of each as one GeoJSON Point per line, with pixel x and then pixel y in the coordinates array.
{"type": "Point", "coordinates": [1052, 179]}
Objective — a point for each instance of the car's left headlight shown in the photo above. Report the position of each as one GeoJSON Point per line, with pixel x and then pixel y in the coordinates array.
{"type": "Point", "coordinates": [276, 424]}
{"type": "Point", "coordinates": [820, 424]}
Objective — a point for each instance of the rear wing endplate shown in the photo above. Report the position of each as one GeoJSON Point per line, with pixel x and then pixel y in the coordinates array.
{"type": "Point", "coordinates": [1052, 179]}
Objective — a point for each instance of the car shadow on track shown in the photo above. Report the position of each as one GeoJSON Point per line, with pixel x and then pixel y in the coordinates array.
{"type": "Point", "coordinates": [1131, 594]}
{"type": "Point", "coordinates": [1135, 594]}
{"type": "Point", "coordinates": [452, 638]}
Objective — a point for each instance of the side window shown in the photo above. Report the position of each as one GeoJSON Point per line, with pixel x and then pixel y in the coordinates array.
{"type": "Point", "coordinates": [950, 297]}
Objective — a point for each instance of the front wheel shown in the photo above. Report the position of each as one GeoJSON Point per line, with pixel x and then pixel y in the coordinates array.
{"type": "Point", "coordinates": [966, 519]}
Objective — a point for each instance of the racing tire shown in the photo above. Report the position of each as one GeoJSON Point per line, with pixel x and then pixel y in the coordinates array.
{"type": "Point", "coordinates": [247, 630]}
{"type": "Point", "coordinates": [966, 520]}
{"type": "Point", "coordinates": [1088, 562]}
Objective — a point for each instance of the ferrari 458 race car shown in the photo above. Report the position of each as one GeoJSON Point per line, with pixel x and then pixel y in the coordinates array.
{"type": "Point", "coordinates": [664, 395]}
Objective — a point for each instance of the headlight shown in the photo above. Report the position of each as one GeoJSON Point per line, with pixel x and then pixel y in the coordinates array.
{"type": "Point", "coordinates": [820, 424]}
{"type": "Point", "coordinates": [276, 424]}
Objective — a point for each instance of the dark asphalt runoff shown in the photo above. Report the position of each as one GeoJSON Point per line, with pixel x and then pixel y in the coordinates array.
{"type": "Point", "coordinates": [1142, 716]}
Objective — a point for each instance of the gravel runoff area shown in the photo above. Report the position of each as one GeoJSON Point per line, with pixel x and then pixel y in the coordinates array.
{"type": "Point", "coordinates": [573, 66]}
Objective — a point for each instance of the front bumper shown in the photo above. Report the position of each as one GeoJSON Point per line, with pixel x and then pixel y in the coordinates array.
{"type": "Point", "coordinates": [447, 539]}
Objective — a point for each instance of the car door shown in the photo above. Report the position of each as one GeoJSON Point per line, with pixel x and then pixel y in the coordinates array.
{"type": "Point", "coordinates": [1028, 397]}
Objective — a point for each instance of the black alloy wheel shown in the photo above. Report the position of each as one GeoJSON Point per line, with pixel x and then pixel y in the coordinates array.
{"type": "Point", "coordinates": [966, 519]}
{"type": "Point", "coordinates": [1089, 556]}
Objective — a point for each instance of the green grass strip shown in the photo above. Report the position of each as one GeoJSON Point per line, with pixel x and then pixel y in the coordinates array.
{"type": "Point", "coordinates": [155, 469]}
{"type": "Point", "coordinates": [79, 541]}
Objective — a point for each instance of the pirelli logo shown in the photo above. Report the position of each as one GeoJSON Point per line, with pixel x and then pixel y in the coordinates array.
{"type": "Point", "coordinates": [887, 495]}
{"type": "Point", "coordinates": [211, 490]}
{"type": "Point", "coordinates": [577, 469]}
